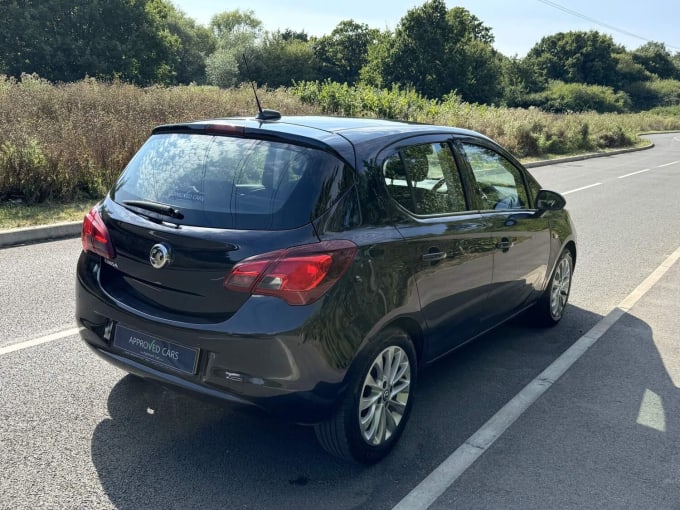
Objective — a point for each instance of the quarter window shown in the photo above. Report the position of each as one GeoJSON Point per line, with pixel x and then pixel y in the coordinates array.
{"type": "Point", "coordinates": [499, 182]}
{"type": "Point", "coordinates": [424, 179]}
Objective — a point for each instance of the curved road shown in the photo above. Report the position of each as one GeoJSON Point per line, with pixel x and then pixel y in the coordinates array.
{"type": "Point", "coordinates": [78, 433]}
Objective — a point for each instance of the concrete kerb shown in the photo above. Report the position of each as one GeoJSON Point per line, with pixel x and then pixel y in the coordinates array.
{"type": "Point", "coordinates": [581, 157]}
{"type": "Point", "coordinates": [42, 233]}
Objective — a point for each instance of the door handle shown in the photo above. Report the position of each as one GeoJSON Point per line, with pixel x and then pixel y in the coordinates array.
{"type": "Point", "coordinates": [504, 244]}
{"type": "Point", "coordinates": [431, 257]}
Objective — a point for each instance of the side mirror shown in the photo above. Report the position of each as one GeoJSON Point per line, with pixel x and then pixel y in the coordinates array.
{"type": "Point", "coordinates": [547, 200]}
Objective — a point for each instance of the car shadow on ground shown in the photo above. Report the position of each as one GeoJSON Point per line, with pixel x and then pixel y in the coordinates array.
{"type": "Point", "coordinates": [606, 435]}
{"type": "Point", "coordinates": [160, 449]}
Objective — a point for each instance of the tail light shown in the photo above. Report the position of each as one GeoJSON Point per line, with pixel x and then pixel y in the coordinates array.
{"type": "Point", "coordinates": [95, 236]}
{"type": "Point", "coordinates": [298, 275]}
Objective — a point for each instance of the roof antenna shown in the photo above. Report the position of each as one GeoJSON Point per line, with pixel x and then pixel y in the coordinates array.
{"type": "Point", "coordinates": [263, 114]}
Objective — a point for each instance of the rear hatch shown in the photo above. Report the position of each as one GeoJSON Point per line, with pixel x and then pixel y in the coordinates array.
{"type": "Point", "coordinates": [195, 204]}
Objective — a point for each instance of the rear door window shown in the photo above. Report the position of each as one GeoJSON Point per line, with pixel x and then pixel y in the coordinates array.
{"type": "Point", "coordinates": [224, 182]}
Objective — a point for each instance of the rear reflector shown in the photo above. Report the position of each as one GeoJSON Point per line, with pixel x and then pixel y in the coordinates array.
{"type": "Point", "coordinates": [245, 274]}
{"type": "Point", "coordinates": [298, 275]}
{"type": "Point", "coordinates": [95, 236]}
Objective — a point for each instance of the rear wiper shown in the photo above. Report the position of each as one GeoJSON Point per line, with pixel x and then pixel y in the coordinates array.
{"type": "Point", "coordinates": [164, 209]}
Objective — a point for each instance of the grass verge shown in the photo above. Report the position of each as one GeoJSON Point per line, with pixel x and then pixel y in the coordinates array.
{"type": "Point", "coordinates": [18, 215]}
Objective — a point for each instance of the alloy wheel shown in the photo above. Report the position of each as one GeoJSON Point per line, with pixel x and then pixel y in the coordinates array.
{"type": "Point", "coordinates": [559, 291]}
{"type": "Point", "coordinates": [384, 395]}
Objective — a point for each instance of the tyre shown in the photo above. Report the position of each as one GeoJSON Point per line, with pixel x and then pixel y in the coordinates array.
{"type": "Point", "coordinates": [550, 307]}
{"type": "Point", "coordinates": [374, 411]}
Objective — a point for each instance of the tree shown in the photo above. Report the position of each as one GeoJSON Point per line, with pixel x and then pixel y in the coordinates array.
{"type": "Point", "coordinates": [676, 60]}
{"type": "Point", "coordinates": [289, 34]}
{"type": "Point", "coordinates": [196, 42]}
{"type": "Point", "coordinates": [237, 32]}
{"type": "Point", "coordinates": [279, 61]}
{"type": "Point", "coordinates": [221, 69]}
{"type": "Point", "coordinates": [230, 25]}
{"type": "Point", "coordinates": [437, 51]}
{"type": "Point", "coordinates": [656, 59]}
{"type": "Point", "coordinates": [576, 57]}
{"type": "Point", "coordinates": [64, 40]}
{"type": "Point", "coordinates": [484, 79]}
{"type": "Point", "coordinates": [629, 71]}
{"type": "Point", "coordinates": [375, 71]}
{"type": "Point", "coordinates": [344, 52]}
{"type": "Point", "coordinates": [519, 79]}
{"type": "Point", "coordinates": [476, 67]}
{"type": "Point", "coordinates": [466, 25]}
{"type": "Point", "coordinates": [418, 55]}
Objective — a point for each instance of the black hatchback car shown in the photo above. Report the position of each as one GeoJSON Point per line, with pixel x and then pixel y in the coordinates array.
{"type": "Point", "coordinates": [311, 266]}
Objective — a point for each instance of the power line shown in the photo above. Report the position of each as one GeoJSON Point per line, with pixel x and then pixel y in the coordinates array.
{"type": "Point", "coordinates": [600, 23]}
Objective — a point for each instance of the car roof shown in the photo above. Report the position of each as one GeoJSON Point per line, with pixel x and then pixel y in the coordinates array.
{"type": "Point", "coordinates": [333, 132]}
{"type": "Point", "coordinates": [341, 125]}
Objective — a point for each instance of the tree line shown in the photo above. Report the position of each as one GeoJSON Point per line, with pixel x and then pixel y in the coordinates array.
{"type": "Point", "coordinates": [434, 51]}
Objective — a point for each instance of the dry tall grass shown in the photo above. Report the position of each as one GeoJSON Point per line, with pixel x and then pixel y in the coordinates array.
{"type": "Point", "coordinates": [525, 132]}
{"type": "Point", "coordinates": [63, 141]}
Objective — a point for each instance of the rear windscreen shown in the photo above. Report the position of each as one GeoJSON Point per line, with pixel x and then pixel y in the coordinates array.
{"type": "Point", "coordinates": [222, 182]}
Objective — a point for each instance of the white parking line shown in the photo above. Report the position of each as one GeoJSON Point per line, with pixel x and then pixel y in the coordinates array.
{"type": "Point", "coordinates": [436, 483]}
{"type": "Point", "coordinates": [581, 189]}
{"type": "Point", "coordinates": [37, 341]}
{"type": "Point", "coordinates": [669, 164]}
{"type": "Point", "coordinates": [634, 173]}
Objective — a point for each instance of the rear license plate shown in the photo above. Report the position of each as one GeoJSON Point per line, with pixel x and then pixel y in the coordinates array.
{"type": "Point", "coordinates": [170, 355]}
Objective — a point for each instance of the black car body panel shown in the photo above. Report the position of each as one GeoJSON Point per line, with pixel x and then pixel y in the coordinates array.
{"type": "Point", "coordinates": [442, 278]}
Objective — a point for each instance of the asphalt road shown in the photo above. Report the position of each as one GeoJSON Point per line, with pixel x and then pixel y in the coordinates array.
{"type": "Point", "coordinates": [78, 433]}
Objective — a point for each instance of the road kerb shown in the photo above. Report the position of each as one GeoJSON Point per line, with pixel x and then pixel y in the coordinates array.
{"type": "Point", "coordinates": [40, 233]}
{"type": "Point", "coordinates": [581, 157]}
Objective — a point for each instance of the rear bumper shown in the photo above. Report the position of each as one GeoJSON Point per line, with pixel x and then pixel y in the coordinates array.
{"type": "Point", "coordinates": [299, 407]}
{"type": "Point", "coordinates": [279, 368]}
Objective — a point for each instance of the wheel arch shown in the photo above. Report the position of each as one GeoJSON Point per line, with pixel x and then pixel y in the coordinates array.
{"type": "Point", "coordinates": [413, 329]}
{"type": "Point", "coordinates": [405, 323]}
{"type": "Point", "coordinates": [571, 246]}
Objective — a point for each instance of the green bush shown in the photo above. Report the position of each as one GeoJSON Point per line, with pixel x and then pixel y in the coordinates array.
{"type": "Point", "coordinates": [362, 100]}
{"type": "Point", "coordinates": [657, 93]}
{"type": "Point", "coordinates": [27, 172]}
{"type": "Point", "coordinates": [667, 111]}
{"type": "Point", "coordinates": [561, 97]}
{"type": "Point", "coordinates": [616, 137]}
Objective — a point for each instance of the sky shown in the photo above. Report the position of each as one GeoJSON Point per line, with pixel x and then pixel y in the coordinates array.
{"type": "Point", "coordinates": [517, 25]}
